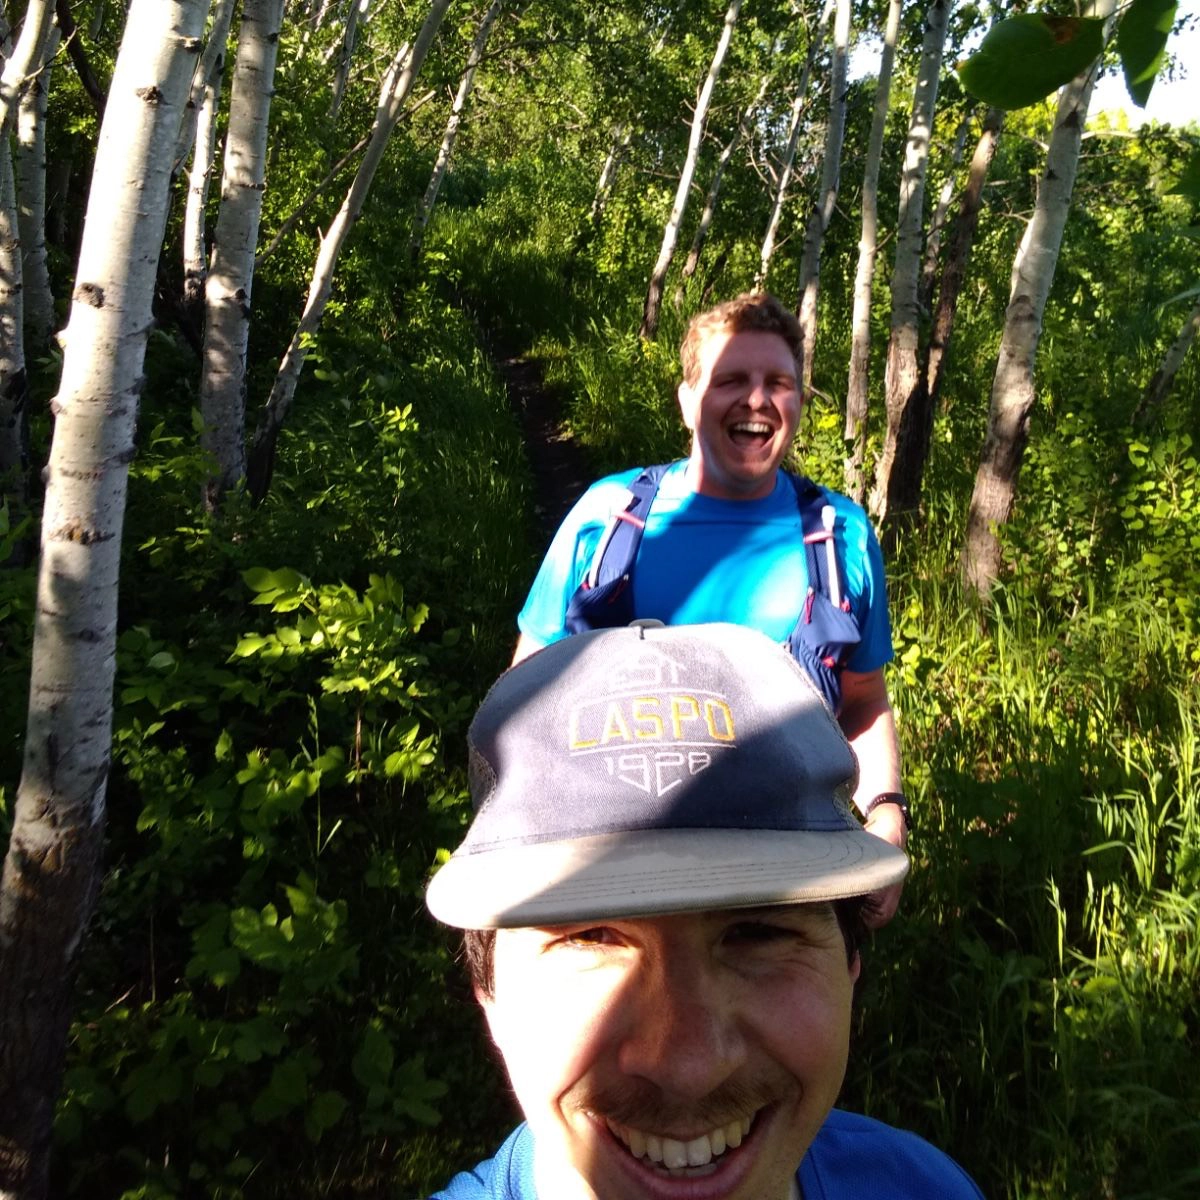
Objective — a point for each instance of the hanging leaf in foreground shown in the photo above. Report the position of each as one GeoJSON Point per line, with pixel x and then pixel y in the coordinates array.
{"type": "Point", "coordinates": [1025, 58]}
{"type": "Point", "coordinates": [1142, 44]}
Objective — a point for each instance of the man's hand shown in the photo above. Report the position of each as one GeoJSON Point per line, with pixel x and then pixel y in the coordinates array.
{"type": "Point", "coordinates": [886, 821]}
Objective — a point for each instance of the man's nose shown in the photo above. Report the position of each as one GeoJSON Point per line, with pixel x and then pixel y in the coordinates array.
{"type": "Point", "coordinates": [758, 396]}
{"type": "Point", "coordinates": [683, 1034]}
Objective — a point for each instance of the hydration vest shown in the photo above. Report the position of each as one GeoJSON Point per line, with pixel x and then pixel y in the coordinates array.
{"type": "Point", "coordinates": [826, 630]}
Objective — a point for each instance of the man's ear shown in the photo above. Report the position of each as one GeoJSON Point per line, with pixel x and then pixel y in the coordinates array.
{"type": "Point", "coordinates": [689, 399]}
{"type": "Point", "coordinates": [855, 967]}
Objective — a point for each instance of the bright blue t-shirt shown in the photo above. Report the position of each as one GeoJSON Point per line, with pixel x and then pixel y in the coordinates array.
{"type": "Point", "coordinates": [703, 559]}
{"type": "Point", "coordinates": [851, 1158]}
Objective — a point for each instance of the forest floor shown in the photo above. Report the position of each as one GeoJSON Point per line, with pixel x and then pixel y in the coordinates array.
{"type": "Point", "coordinates": [558, 463]}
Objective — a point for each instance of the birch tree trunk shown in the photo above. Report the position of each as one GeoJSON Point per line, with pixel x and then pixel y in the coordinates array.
{"type": "Point", "coordinates": [1013, 393]}
{"type": "Point", "coordinates": [26, 59]}
{"type": "Point", "coordinates": [799, 101]}
{"type": "Point", "coordinates": [937, 222]}
{"type": "Point", "coordinates": [822, 214]}
{"type": "Point", "coordinates": [958, 256]}
{"type": "Point", "coordinates": [230, 279]}
{"type": "Point", "coordinates": [200, 136]}
{"type": "Point", "coordinates": [658, 276]}
{"type": "Point", "coordinates": [447, 147]}
{"type": "Point", "coordinates": [14, 410]}
{"type": "Point", "coordinates": [894, 492]}
{"type": "Point", "coordinates": [357, 9]}
{"type": "Point", "coordinates": [864, 278]}
{"type": "Point", "coordinates": [714, 188]}
{"type": "Point", "coordinates": [397, 85]}
{"type": "Point", "coordinates": [30, 170]}
{"type": "Point", "coordinates": [622, 136]}
{"type": "Point", "coordinates": [1160, 383]}
{"type": "Point", "coordinates": [51, 871]}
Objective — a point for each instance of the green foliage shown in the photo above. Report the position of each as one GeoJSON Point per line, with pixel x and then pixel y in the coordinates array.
{"type": "Point", "coordinates": [1142, 44]}
{"type": "Point", "coordinates": [1026, 57]}
{"type": "Point", "coordinates": [264, 1008]}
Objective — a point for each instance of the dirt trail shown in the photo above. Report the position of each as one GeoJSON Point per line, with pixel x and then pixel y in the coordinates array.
{"type": "Point", "coordinates": [559, 466]}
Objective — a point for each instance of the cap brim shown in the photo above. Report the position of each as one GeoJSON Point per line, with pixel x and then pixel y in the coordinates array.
{"type": "Point", "coordinates": [654, 872]}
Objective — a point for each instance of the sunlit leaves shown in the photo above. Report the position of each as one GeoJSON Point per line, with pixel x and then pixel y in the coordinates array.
{"type": "Point", "coordinates": [1025, 58]}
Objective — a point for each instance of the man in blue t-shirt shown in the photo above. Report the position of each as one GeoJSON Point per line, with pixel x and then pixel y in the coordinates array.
{"type": "Point", "coordinates": [723, 539]}
{"type": "Point", "coordinates": [661, 895]}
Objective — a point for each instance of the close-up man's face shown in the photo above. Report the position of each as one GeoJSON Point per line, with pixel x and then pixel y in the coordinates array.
{"type": "Point", "coordinates": [742, 409]}
{"type": "Point", "coordinates": [687, 1057]}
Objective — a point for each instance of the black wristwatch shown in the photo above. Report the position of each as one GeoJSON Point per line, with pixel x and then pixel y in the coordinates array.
{"type": "Point", "coordinates": [896, 798]}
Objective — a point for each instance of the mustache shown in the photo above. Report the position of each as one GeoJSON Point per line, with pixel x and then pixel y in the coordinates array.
{"type": "Point", "coordinates": [643, 1106]}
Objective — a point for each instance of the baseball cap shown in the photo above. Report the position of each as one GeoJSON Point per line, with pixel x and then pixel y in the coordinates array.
{"type": "Point", "coordinates": [642, 771]}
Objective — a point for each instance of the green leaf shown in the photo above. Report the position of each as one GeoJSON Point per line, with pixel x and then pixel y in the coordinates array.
{"type": "Point", "coordinates": [1025, 58]}
{"type": "Point", "coordinates": [259, 579]}
{"type": "Point", "coordinates": [372, 1063]}
{"type": "Point", "coordinates": [1142, 44]}
{"type": "Point", "coordinates": [1188, 184]}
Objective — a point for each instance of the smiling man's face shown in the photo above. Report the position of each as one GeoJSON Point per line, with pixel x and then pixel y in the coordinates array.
{"type": "Point", "coordinates": [742, 409]}
{"type": "Point", "coordinates": [688, 1057]}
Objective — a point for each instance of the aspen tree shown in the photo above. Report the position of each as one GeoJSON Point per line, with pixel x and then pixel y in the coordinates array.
{"type": "Point", "coordinates": [1013, 393]}
{"type": "Point", "coordinates": [822, 213]}
{"type": "Point", "coordinates": [355, 10]}
{"type": "Point", "coordinates": [864, 277]}
{"type": "Point", "coordinates": [397, 85]}
{"type": "Point", "coordinates": [714, 187]}
{"type": "Point", "coordinates": [954, 270]}
{"type": "Point", "coordinates": [29, 164]}
{"type": "Point", "coordinates": [903, 373]}
{"type": "Point", "coordinates": [230, 279]}
{"type": "Point", "coordinates": [1160, 383]}
{"type": "Point", "coordinates": [26, 58]}
{"type": "Point", "coordinates": [51, 871]}
{"type": "Point", "coordinates": [787, 165]}
{"type": "Point", "coordinates": [937, 222]}
{"type": "Point", "coordinates": [425, 211]}
{"type": "Point", "coordinates": [658, 276]}
{"type": "Point", "coordinates": [199, 135]}
{"type": "Point", "coordinates": [14, 414]}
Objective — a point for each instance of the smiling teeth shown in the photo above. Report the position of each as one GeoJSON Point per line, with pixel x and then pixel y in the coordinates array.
{"type": "Point", "coordinates": [752, 427]}
{"type": "Point", "coordinates": [675, 1155]}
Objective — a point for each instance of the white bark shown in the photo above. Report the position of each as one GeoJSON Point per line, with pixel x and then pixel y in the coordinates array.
{"type": "Point", "coordinates": [30, 169]}
{"type": "Point", "coordinates": [26, 59]}
{"type": "Point", "coordinates": [864, 277]}
{"type": "Point", "coordinates": [200, 126]}
{"type": "Point", "coordinates": [13, 390]}
{"type": "Point", "coordinates": [1160, 384]}
{"type": "Point", "coordinates": [51, 869]}
{"type": "Point", "coordinates": [357, 9]}
{"type": "Point", "coordinates": [799, 101]}
{"type": "Point", "coordinates": [714, 188]}
{"type": "Point", "coordinates": [666, 252]}
{"type": "Point", "coordinates": [622, 136]}
{"type": "Point", "coordinates": [822, 214]}
{"type": "Point", "coordinates": [447, 147]}
{"type": "Point", "coordinates": [208, 69]}
{"type": "Point", "coordinates": [230, 280]}
{"type": "Point", "coordinates": [903, 370]}
{"type": "Point", "coordinates": [1013, 392]}
{"type": "Point", "coordinates": [397, 85]}
{"type": "Point", "coordinates": [937, 222]}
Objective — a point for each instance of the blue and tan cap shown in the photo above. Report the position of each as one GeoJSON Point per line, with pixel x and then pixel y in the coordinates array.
{"type": "Point", "coordinates": [642, 771]}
